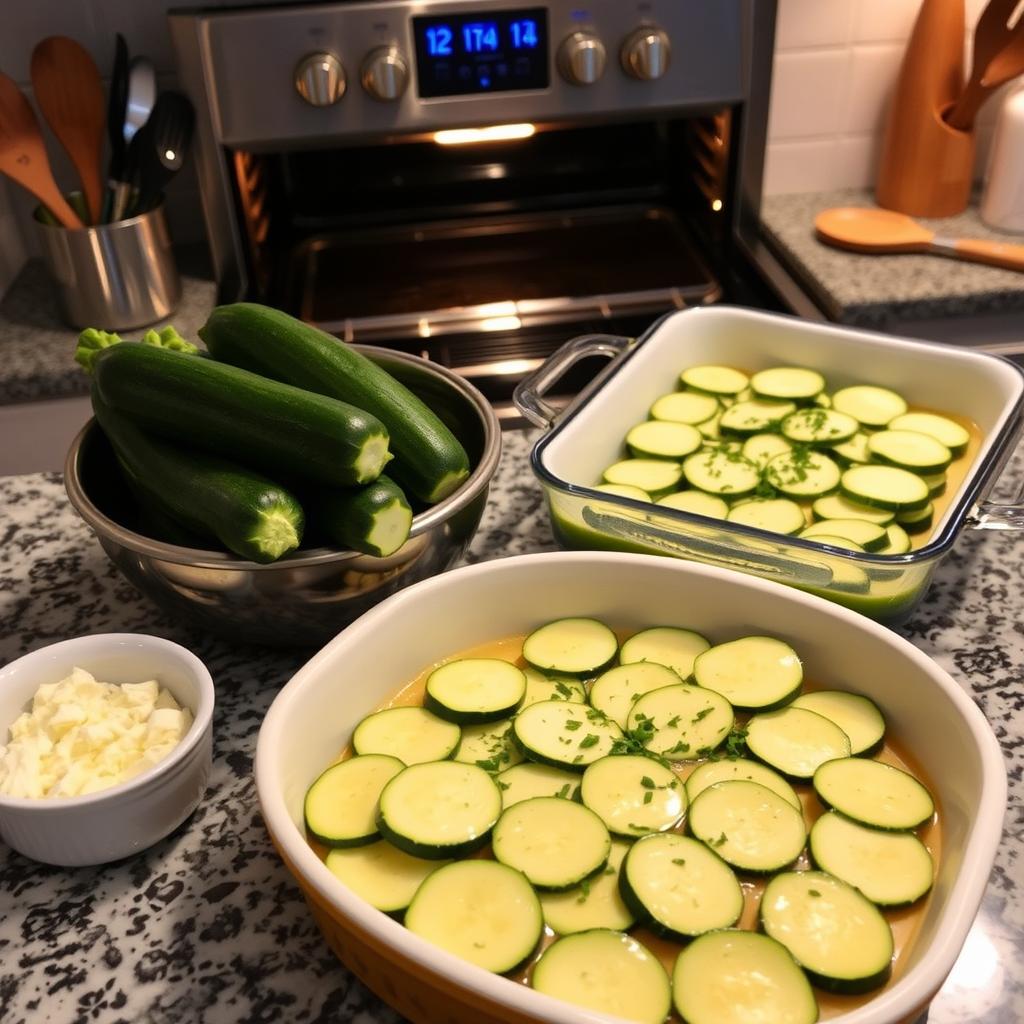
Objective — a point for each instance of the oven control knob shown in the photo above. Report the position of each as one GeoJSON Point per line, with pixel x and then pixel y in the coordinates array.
{"type": "Point", "coordinates": [646, 53]}
{"type": "Point", "coordinates": [320, 79]}
{"type": "Point", "coordinates": [581, 58]}
{"type": "Point", "coordinates": [385, 73]}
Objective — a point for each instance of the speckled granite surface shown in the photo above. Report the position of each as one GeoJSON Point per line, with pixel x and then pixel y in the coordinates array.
{"type": "Point", "coordinates": [207, 925]}
{"type": "Point", "coordinates": [881, 291]}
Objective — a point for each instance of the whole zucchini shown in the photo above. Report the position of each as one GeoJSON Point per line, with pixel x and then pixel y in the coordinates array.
{"type": "Point", "coordinates": [249, 514]}
{"type": "Point", "coordinates": [374, 519]}
{"type": "Point", "coordinates": [269, 426]}
{"type": "Point", "coordinates": [429, 463]}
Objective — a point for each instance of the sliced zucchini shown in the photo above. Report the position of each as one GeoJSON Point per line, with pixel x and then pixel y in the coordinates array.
{"type": "Point", "coordinates": [489, 746]}
{"type": "Point", "coordinates": [897, 541]}
{"type": "Point", "coordinates": [685, 407]}
{"type": "Point", "coordinates": [836, 541]}
{"type": "Point", "coordinates": [819, 426]}
{"type": "Point", "coordinates": [761, 447]}
{"type": "Point", "coordinates": [413, 735]}
{"type": "Point", "coordinates": [681, 722]}
{"type": "Point", "coordinates": [633, 794]}
{"type": "Point", "coordinates": [474, 690]}
{"type": "Point", "coordinates": [835, 506]}
{"type": "Point", "coordinates": [696, 502]}
{"type": "Point", "coordinates": [836, 934]}
{"type": "Point", "coordinates": [439, 810]}
{"type": "Point", "coordinates": [792, 383]}
{"type": "Point", "coordinates": [657, 477]}
{"type": "Point", "coordinates": [381, 874]}
{"type": "Point", "coordinates": [753, 673]}
{"type": "Point", "coordinates": [885, 487]}
{"type": "Point", "coordinates": [624, 491]}
{"type": "Point", "coordinates": [709, 429]}
{"type": "Point", "coordinates": [908, 449]}
{"type": "Point", "coordinates": [714, 380]}
{"type": "Point", "coordinates": [892, 869]}
{"type": "Point", "coordinates": [606, 971]}
{"type": "Point", "coordinates": [564, 734]}
{"type": "Point", "coordinates": [873, 793]}
{"type": "Point", "coordinates": [917, 521]}
{"type": "Point", "coordinates": [523, 781]}
{"type": "Point", "coordinates": [857, 716]}
{"type": "Point", "coordinates": [754, 417]}
{"type": "Point", "coordinates": [540, 686]}
{"type": "Point", "coordinates": [736, 977]}
{"type": "Point", "coordinates": [870, 536]}
{"type": "Point", "coordinates": [873, 406]}
{"type": "Point", "coordinates": [555, 843]}
{"type": "Point", "coordinates": [575, 647]}
{"type": "Point", "coordinates": [780, 515]}
{"type": "Point", "coordinates": [936, 483]}
{"type": "Point", "coordinates": [658, 439]}
{"type": "Point", "coordinates": [665, 645]}
{"type": "Point", "coordinates": [731, 768]}
{"type": "Point", "coordinates": [748, 826]}
{"type": "Point", "coordinates": [679, 887]}
{"type": "Point", "coordinates": [795, 741]}
{"type": "Point", "coordinates": [595, 903]}
{"type": "Point", "coordinates": [341, 806]}
{"type": "Point", "coordinates": [722, 473]}
{"type": "Point", "coordinates": [374, 519]}
{"type": "Point", "coordinates": [614, 692]}
{"type": "Point", "coordinates": [480, 910]}
{"type": "Point", "coordinates": [802, 473]}
{"type": "Point", "coordinates": [852, 452]}
{"type": "Point", "coordinates": [943, 429]}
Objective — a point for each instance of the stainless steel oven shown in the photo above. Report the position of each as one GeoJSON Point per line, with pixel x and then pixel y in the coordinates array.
{"type": "Point", "coordinates": [478, 180]}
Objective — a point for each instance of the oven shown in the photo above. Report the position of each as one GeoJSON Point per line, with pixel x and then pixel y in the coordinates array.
{"type": "Point", "coordinates": [478, 180]}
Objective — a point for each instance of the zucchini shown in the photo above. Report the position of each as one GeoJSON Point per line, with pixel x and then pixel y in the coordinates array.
{"type": "Point", "coordinates": [662, 439]}
{"type": "Point", "coordinates": [489, 746]}
{"type": "Point", "coordinates": [262, 423]}
{"type": "Point", "coordinates": [910, 449]}
{"type": "Point", "coordinates": [753, 673]}
{"type": "Point", "coordinates": [411, 734]}
{"type": "Point", "coordinates": [665, 645]}
{"type": "Point", "coordinates": [714, 380]}
{"type": "Point", "coordinates": [873, 793]}
{"type": "Point", "coordinates": [249, 514]}
{"type": "Point", "coordinates": [374, 519]}
{"type": "Point", "coordinates": [595, 903]}
{"type": "Point", "coordinates": [470, 691]}
{"type": "Point", "coordinates": [574, 647]}
{"type": "Point", "coordinates": [633, 794]}
{"type": "Point", "coordinates": [754, 416]}
{"type": "Point", "coordinates": [381, 874]}
{"type": "Point", "coordinates": [523, 781]}
{"type": "Point", "coordinates": [657, 477]}
{"type": "Point", "coordinates": [731, 768]}
{"type": "Point", "coordinates": [430, 463]}
{"type": "Point", "coordinates": [614, 692]}
{"type": "Point", "coordinates": [943, 429]}
{"type": "Point", "coordinates": [788, 383]}
{"type": "Point", "coordinates": [795, 741]}
{"type": "Point", "coordinates": [564, 734]}
{"type": "Point", "coordinates": [857, 716]}
{"type": "Point", "coordinates": [724, 473]}
{"type": "Point", "coordinates": [340, 807]}
{"type": "Point", "coordinates": [779, 515]}
{"type": "Point", "coordinates": [681, 722]}
{"type": "Point", "coordinates": [697, 503]}
{"type": "Point", "coordinates": [685, 407]}
{"type": "Point", "coordinates": [873, 406]}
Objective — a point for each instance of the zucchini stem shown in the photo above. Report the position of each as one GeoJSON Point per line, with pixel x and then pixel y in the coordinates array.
{"type": "Point", "coordinates": [274, 534]}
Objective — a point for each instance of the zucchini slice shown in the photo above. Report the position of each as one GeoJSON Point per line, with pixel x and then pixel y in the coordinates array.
{"type": "Point", "coordinates": [885, 487]}
{"type": "Point", "coordinates": [540, 686]}
{"type": "Point", "coordinates": [658, 439]}
{"type": "Point", "coordinates": [633, 794]}
{"type": "Point", "coordinates": [523, 781]}
{"type": "Point", "coordinates": [870, 536]}
{"type": "Point", "coordinates": [748, 826]}
{"type": "Point", "coordinates": [721, 472]}
{"type": "Point", "coordinates": [893, 869]}
{"type": "Point", "coordinates": [819, 426]}
{"type": "Point", "coordinates": [795, 741]}
{"type": "Point", "coordinates": [779, 515]}
{"type": "Point", "coordinates": [474, 690]}
{"type": "Point", "coordinates": [897, 541]}
{"type": "Point", "coordinates": [754, 416]}
{"type": "Point", "coordinates": [665, 645]}
{"type": "Point", "coordinates": [381, 874]}
{"type": "Point", "coordinates": [340, 808]}
{"type": "Point", "coordinates": [835, 506]}
{"type": "Point", "coordinates": [614, 692]}
{"type": "Point", "coordinates": [413, 735]}
{"type": "Point", "coordinates": [752, 673]}
{"type": "Point", "coordinates": [943, 429]}
{"type": "Point", "coordinates": [575, 647]}
{"type": "Point", "coordinates": [936, 483]}
{"type": "Point", "coordinates": [696, 502]}
{"type": "Point", "coordinates": [480, 910]}
{"type": "Point", "coordinates": [657, 477]}
{"type": "Point", "coordinates": [735, 977]}
{"type": "Point", "coordinates": [857, 716]}
{"type": "Point", "coordinates": [555, 843]}
{"type": "Point", "coordinates": [439, 810]}
{"type": "Point", "coordinates": [685, 407]}
{"type": "Point", "coordinates": [732, 768]}
{"type": "Point", "coordinates": [911, 450]}
{"type": "Point", "coordinates": [564, 734]}
{"type": "Point", "coordinates": [606, 971]}
{"type": "Point", "coordinates": [679, 887]}
{"type": "Point", "coordinates": [852, 452]}
{"type": "Point", "coordinates": [761, 447]}
{"type": "Point", "coordinates": [709, 429]}
{"type": "Point", "coordinates": [875, 407]}
{"type": "Point", "coordinates": [836, 934]}
{"type": "Point", "coordinates": [802, 473]}
{"type": "Point", "coordinates": [490, 746]}
{"type": "Point", "coordinates": [917, 521]}
{"type": "Point", "coordinates": [873, 793]}
{"type": "Point", "coordinates": [681, 722]}
{"type": "Point", "coordinates": [624, 491]}
{"type": "Point", "coordinates": [792, 383]}
{"type": "Point", "coordinates": [714, 380]}
{"type": "Point", "coordinates": [595, 903]}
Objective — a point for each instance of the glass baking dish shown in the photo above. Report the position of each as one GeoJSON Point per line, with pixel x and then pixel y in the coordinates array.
{"type": "Point", "coordinates": [586, 437]}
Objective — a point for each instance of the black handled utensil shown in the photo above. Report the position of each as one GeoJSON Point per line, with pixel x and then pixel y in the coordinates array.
{"type": "Point", "coordinates": [158, 149]}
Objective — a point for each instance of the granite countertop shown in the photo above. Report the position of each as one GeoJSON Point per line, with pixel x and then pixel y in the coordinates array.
{"type": "Point", "coordinates": [882, 291]}
{"type": "Point", "coordinates": [208, 925]}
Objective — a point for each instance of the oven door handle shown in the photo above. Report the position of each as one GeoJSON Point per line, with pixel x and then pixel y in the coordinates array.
{"type": "Point", "coordinates": [529, 393]}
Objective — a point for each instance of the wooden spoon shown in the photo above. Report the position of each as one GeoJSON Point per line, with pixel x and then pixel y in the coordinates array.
{"type": "Point", "coordinates": [69, 91]}
{"type": "Point", "coordinates": [870, 230]}
{"type": "Point", "coordinates": [23, 157]}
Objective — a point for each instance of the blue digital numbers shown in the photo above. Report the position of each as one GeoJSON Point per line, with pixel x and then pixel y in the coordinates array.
{"type": "Point", "coordinates": [480, 37]}
{"type": "Point", "coordinates": [524, 34]}
{"type": "Point", "coordinates": [439, 41]}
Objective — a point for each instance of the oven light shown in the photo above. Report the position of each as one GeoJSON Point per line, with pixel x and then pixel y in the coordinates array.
{"type": "Point", "coordinates": [501, 323]}
{"type": "Point", "coordinates": [424, 328]}
{"type": "Point", "coordinates": [716, 205]}
{"type": "Point", "coordinates": [506, 308]}
{"type": "Point", "coordinates": [492, 133]}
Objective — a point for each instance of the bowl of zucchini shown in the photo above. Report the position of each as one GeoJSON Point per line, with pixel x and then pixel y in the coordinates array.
{"type": "Point", "coordinates": [279, 484]}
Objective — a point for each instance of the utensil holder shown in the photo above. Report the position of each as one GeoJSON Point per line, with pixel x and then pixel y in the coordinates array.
{"type": "Point", "coordinates": [113, 276]}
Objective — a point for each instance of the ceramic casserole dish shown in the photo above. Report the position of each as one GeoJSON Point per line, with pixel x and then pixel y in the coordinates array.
{"type": "Point", "coordinates": [587, 437]}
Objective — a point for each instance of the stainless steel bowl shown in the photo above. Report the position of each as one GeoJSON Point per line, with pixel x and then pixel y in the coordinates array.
{"type": "Point", "coordinates": [303, 599]}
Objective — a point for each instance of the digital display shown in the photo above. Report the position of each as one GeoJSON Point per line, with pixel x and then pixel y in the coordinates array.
{"type": "Point", "coordinates": [462, 54]}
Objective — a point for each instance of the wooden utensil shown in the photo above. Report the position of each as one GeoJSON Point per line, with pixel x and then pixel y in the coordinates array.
{"type": "Point", "coordinates": [998, 57]}
{"type": "Point", "coordinates": [22, 154]}
{"type": "Point", "coordinates": [869, 230]}
{"type": "Point", "coordinates": [69, 91]}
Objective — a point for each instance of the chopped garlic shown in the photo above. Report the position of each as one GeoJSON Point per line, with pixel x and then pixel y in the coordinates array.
{"type": "Point", "coordinates": [82, 736]}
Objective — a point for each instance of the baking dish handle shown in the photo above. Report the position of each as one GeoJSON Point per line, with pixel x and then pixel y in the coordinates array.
{"type": "Point", "coordinates": [529, 393]}
{"type": "Point", "coordinates": [994, 515]}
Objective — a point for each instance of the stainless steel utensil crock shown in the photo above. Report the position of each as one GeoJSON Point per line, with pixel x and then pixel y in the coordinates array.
{"type": "Point", "coordinates": [306, 598]}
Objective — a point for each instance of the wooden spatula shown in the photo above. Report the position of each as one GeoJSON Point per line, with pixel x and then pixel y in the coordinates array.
{"type": "Point", "coordinates": [69, 91]}
{"type": "Point", "coordinates": [23, 157]}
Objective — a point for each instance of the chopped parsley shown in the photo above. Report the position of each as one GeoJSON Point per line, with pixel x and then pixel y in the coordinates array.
{"type": "Point", "coordinates": [813, 892]}
{"type": "Point", "coordinates": [590, 740]}
{"type": "Point", "coordinates": [573, 724]}
{"type": "Point", "coordinates": [648, 796]}
{"type": "Point", "coordinates": [647, 782]}
{"type": "Point", "coordinates": [563, 793]}
{"type": "Point", "coordinates": [680, 861]}
{"type": "Point", "coordinates": [584, 891]}
{"type": "Point", "coordinates": [723, 838]}
{"type": "Point", "coordinates": [702, 714]}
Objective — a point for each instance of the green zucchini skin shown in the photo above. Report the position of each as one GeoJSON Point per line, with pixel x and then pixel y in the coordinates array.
{"type": "Point", "coordinates": [429, 463]}
{"type": "Point", "coordinates": [249, 514]}
{"type": "Point", "coordinates": [270, 426]}
{"type": "Point", "coordinates": [353, 518]}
